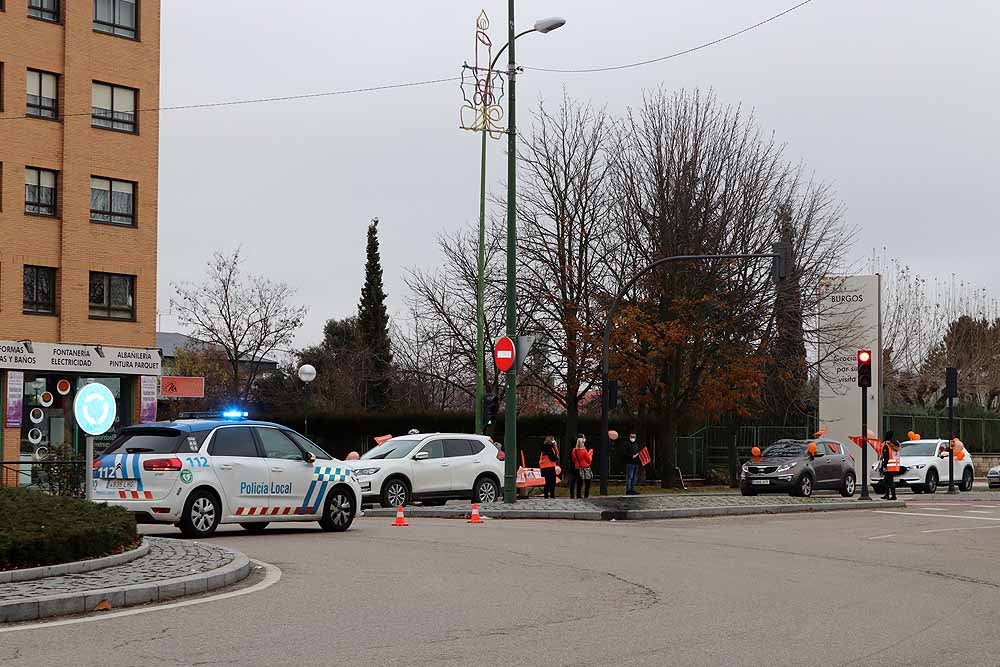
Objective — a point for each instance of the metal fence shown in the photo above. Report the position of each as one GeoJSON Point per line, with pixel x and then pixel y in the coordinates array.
{"type": "Point", "coordinates": [716, 447]}
{"type": "Point", "coordinates": [64, 478]}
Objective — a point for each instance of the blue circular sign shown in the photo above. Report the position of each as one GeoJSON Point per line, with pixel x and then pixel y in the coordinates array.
{"type": "Point", "coordinates": [94, 409]}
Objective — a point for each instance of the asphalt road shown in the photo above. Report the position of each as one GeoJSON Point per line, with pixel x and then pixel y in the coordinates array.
{"type": "Point", "coordinates": [914, 587]}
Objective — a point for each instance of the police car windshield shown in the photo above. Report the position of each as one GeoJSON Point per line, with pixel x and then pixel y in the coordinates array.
{"type": "Point", "coordinates": [918, 449]}
{"type": "Point", "coordinates": [786, 449]}
{"type": "Point", "coordinates": [147, 441]}
{"type": "Point", "coordinates": [396, 448]}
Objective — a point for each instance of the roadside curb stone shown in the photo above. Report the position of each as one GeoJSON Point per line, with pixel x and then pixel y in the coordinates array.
{"type": "Point", "coordinates": [76, 567]}
{"type": "Point", "coordinates": [139, 581]}
{"type": "Point", "coordinates": [622, 508]}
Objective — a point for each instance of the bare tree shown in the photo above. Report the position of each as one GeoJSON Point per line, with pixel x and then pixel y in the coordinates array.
{"type": "Point", "coordinates": [697, 177]}
{"type": "Point", "coordinates": [247, 316]}
{"type": "Point", "coordinates": [564, 215]}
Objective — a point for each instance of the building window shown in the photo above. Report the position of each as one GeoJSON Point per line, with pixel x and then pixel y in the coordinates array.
{"type": "Point", "coordinates": [39, 289]}
{"type": "Point", "coordinates": [47, 10]}
{"type": "Point", "coordinates": [113, 107]}
{"type": "Point", "coordinates": [39, 191]}
{"type": "Point", "coordinates": [112, 202]}
{"type": "Point", "coordinates": [116, 17]}
{"type": "Point", "coordinates": [112, 296]}
{"type": "Point", "coordinates": [43, 96]}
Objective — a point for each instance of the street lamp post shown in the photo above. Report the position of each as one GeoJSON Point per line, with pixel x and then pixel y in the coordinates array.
{"type": "Point", "coordinates": [542, 26]}
{"type": "Point", "coordinates": [307, 373]}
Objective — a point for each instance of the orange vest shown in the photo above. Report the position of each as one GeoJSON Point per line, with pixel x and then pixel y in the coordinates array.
{"type": "Point", "coordinates": [893, 463]}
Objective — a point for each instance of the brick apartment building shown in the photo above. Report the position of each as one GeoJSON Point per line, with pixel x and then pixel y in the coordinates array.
{"type": "Point", "coordinates": [78, 193]}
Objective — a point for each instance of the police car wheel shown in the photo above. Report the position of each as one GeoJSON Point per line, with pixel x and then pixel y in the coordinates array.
{"type": "Point", "coordinates": [395, 493]}
{"type": "Point", "coordinates": [339, 511]}
{"type": "Point", "coordinates": [201, 515]}
{"type": "Point", "coordinates": [255, 526]}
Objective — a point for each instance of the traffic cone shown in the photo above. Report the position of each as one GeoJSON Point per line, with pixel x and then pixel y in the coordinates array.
{"type": "Point", "coordinates": [400, 519]}
{"type": "Point", "coordinates": [475, 518]}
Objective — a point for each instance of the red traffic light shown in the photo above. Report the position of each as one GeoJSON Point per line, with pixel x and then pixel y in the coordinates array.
{"type": "Point", "coordinates": [864, 368]}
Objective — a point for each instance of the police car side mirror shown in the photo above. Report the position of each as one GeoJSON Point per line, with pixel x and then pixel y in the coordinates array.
{"type": "Point", "coordinates": [421, 456]}
{"type": "Point", "coordinates": [310, 458]}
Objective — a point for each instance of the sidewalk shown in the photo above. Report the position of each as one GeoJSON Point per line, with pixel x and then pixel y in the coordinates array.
{"type": "Point", "coordinates": [631, 508]}
{"type": "Point", "coordinates": [169, 569]}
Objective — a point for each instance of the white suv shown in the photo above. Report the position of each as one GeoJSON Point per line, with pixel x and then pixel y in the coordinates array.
{"type": "Point", "coordinates": [925, 467]}
{"type": "Point", "coordinates": [432, 468]}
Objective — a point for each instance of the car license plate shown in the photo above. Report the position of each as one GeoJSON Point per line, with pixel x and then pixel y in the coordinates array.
{"type": "Point", "coordinates": [121, 484]}
{"type": "Point", "coordinates": [760, 482]}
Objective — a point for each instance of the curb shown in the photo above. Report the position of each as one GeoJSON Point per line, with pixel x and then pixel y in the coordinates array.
{"type": "Point", "coordinates": [643, 515]}
{"type": "Point", "coordinates": [127, 596]}
{"type": "Point", "coordinates": [76, 567]}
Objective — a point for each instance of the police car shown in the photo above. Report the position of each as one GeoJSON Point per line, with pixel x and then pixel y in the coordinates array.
{"type": "Point", "coordinates": [198, 473]}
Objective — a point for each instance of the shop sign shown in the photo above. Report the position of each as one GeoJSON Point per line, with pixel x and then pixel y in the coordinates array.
{"type": "Point", "coordinates": [147, 399]}
{"type": "Point", "coordinates": [182, 387]}
{"type": "Point", "coordinates": [15, 399]}
{"type": "Point", "coordinates": [60, 357]}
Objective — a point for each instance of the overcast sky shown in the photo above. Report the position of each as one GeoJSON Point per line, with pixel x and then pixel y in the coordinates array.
{"type": "Point", "coordinates": [893, 102]}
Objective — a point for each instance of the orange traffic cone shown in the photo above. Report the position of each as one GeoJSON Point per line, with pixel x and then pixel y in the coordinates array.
{"type": "Point", "coordinates": [400, 519]}
{"type": "Point", "coordinates": [475, 518]}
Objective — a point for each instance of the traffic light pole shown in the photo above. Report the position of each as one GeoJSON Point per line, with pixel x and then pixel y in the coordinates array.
{"type": "Point", "coordinates": [782, 257]}
{"type": "Point", "coordinates": [951, 447]}
{"type": "Point", "coordinates": [864, 444]}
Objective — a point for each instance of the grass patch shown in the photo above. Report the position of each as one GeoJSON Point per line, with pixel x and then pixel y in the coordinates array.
{"type": "Point", "coordinates": [38, 529]}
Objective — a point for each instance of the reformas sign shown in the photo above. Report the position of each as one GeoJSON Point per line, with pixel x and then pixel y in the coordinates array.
{"type": "Point", "coordinates": [79, 358]}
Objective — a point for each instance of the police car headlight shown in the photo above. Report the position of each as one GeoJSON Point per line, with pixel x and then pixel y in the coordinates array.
{"type": "Point", "coordinates": [787, 466]}
{"type": "Point", "coordinates": [919, 466]}
{"type": "Point", "coordinates": [366, 471]}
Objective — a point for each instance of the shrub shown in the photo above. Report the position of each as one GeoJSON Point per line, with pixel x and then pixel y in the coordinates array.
{"type": "Point", "coordinates": [39, 529]}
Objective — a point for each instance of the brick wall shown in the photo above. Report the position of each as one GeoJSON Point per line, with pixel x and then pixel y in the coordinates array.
{"type": "Point", "coordinates": [77, 151]}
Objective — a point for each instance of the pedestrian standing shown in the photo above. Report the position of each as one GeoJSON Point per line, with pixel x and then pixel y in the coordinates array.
{"type": "Point", "coordinates": [548, 458]}
{"type": "Point", "coordinates": [582, 459]}
{"type": "Point", "coordinates": [632, 449]}
{"type": "Point", "coordinates": [889, 462]}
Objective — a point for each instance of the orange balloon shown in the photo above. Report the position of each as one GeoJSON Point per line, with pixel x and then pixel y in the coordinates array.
{"type": "Point", "coordinates": [353, 456]}
{"type": "Point", "coordinates": [755, 451]}
{"type": "Point", "coordinates": [914, 436]}
{"type": "Point", "coordinates": [909, 435]}
{"type": "Point", "coordinates": [959, 454]}
{"type": "Point", "coordinates": [612, 435]}
{"type": "Point", "coordinates": [811, 449]}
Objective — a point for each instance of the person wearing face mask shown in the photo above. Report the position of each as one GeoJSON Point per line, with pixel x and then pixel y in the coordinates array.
{"type": "Point", "coordinates": [632, 449]}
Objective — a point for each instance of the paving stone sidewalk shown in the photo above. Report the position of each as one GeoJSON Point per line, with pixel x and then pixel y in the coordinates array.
{"type": "Point", "coordinates": [660, 506]}
{"type": "Point", "coordinates": [171, 568]}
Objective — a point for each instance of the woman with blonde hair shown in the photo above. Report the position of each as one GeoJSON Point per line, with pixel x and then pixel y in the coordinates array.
{"type": "Point", "coordinates": [582, 459]}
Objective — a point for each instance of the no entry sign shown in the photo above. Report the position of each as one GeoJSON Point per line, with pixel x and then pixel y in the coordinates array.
{"type": "Point", "coordinates": [503, 354]}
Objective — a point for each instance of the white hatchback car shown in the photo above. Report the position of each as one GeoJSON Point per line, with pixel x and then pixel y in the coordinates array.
{"type": "Point", "coordinates": [432, 468]}
{"type": "Point", "coordinates": [200, 473]}
{"type": "Point", "coordinates": [925, 467]}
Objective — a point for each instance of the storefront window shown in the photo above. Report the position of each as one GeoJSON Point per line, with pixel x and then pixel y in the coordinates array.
{"type": "Point", "coordinates": [47, 425]}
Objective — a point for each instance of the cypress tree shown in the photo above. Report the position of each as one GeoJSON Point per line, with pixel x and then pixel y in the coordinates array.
{"type": "Point", "coordinates": [373, 326]}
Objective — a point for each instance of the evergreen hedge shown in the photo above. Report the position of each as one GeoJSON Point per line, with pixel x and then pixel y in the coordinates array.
{"type": "Point", "coordinates": [37, 529]}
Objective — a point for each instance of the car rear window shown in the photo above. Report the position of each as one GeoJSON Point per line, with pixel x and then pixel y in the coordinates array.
{"type": "Point", "coordinates": [457, 448]}
{"type": "Point", "coordinates": [149, 441]}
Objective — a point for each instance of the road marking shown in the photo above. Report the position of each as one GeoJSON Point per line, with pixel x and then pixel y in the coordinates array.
{"type": "Point", "coordinates": [271, 577]}
{"type": "Point", "coordinates": [941, 530]}
{"type": "Point", "coordinates": [882, 537]}
{"type": "Point", "coordinates": [943, 516]}
{"type": "Point", "coordinates": [978, 512]}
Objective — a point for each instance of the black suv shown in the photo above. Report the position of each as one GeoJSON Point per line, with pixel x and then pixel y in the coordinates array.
{"type": "Point", "coordinates": [787, 466]}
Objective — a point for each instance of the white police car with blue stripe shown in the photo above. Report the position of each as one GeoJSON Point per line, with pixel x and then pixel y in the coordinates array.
{"type": "Point", "coordinates": [198, 473]}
